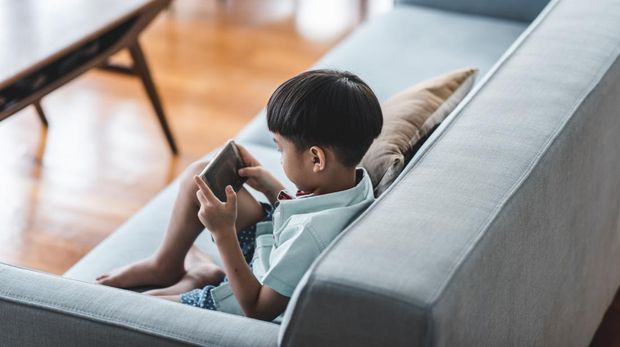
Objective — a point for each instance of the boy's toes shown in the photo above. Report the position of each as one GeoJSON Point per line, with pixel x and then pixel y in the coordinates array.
{"type": "Point", "coordinates": [111, 281]}
{"type": "Point", "coordinates": [104, 279]}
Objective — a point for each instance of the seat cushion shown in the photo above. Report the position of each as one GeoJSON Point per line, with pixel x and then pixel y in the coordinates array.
{"type": "Point", "coordinates": [408, 45]}
{"type": "Point", "coordinates": [139, 236]}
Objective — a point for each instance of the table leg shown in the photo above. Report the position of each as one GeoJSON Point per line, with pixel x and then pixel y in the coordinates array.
{"type": "Point", "coordinates": [41, 113]}
{"type": "Point", "coordinates": [125, 70]}
{"type": "Point", "coordinates": [142, 69]}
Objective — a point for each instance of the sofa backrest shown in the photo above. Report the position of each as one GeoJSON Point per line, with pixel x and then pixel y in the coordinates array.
{"type": "Point", "coordinates": [521, 10]}
{"type": "Point", "coordinates": [504, 228]}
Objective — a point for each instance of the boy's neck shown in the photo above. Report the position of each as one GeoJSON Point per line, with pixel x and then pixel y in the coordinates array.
{"type": "Point", "coordinates": [336, 181]}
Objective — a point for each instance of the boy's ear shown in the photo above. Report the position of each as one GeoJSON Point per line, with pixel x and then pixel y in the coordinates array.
{"type": "Point", "coordinates": [318, 158]}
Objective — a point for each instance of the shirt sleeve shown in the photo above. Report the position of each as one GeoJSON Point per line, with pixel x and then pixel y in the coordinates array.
{"type": "Point", "coordinates": [290, 261]}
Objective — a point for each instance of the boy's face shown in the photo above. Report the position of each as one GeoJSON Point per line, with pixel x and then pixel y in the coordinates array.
{"type": "Point", "coordinates": [297, 165]}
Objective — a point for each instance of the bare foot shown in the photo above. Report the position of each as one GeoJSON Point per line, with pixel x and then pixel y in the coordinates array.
{"type": "Point", "coordinates": [196, 277]}
{"type": "Point", "coordinates": [146, 272]}
{"type": "Point", "coordinates": [200, 271]}
{"type": "Point", "coordinates": [196, 257]}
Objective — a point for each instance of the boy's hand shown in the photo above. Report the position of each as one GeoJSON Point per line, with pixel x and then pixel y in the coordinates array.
{"type": "Point", "coordinates": [258, 177]}
{"type": "Point", "coordinates": [215, 215]}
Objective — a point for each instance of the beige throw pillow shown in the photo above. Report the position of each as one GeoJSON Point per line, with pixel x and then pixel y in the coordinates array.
{"type": "Point", "coordinates": [408, 119]}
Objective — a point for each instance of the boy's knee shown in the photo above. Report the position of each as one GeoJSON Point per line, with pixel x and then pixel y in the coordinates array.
{"type": "Point", "coordinates": [193, 169]}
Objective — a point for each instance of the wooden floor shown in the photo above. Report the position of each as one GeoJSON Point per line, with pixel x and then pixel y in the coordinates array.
{"type": "Point", "coordinates": [104, 156]}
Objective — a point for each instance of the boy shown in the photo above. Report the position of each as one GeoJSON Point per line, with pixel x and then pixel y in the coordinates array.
{"type": "Point", "coordinates": [323, 122]}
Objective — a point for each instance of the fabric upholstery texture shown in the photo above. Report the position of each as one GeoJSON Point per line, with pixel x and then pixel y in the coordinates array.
{"type": "Point", "coordinates": [521, 10]}
{"type": "Point", "coordinates": [408, 119]}
{"type": "Point", "coordinates": [506, 235]}
{"type": "Point", "coordinates": [38, 309]}
{"type": "Point", "coordinates": [408, 45]}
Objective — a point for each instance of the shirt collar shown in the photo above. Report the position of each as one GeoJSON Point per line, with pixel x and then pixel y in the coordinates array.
{"type": "Point", "coordinates": [308, 203]}
{"type": "Point", "coordinates": [284, 195]}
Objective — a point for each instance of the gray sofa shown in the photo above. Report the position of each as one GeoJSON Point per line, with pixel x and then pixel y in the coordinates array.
{"type": "Point", "coordinates": [504, 229]}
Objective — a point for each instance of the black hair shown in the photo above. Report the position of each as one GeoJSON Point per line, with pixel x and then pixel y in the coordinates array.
{"type": "Point", "coordinates": [328, 108]}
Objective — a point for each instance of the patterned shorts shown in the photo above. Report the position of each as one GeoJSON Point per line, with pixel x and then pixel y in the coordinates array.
{"type": "Point", "coordinates": [247, 241]}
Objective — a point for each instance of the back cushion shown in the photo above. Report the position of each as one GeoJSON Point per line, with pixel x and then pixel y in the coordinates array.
{"type": "Point", "coordinates": [409, 117]}
{"type": "Point", "coordinates": [521, 10]}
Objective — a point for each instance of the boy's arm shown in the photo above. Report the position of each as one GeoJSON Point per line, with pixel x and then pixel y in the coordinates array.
{"type": "Point", "coordinates": [262, 180]}
{"type": "Point", "coordinates": [256, 300]}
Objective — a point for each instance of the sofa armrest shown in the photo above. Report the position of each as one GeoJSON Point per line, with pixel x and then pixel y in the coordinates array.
{"type": "Point", "coordinates": [38, 309]}
{"type": "Point", "coordinates": [521, 10]}
{"type": "Point", "coordinates": [502, 228]}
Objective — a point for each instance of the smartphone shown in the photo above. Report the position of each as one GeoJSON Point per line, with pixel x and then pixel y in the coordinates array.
{"type": "Point", "coordinates": [223, 170]}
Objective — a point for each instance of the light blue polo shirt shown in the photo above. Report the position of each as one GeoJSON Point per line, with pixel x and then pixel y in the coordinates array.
{"type": "Point", "coordinates": [301, 229]}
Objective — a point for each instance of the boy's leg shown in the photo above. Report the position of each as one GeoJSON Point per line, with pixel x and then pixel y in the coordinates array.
{"type": "Point", "coordinates": [200, 271]}
{"type": "Point", "coordinates": [174, 298]}
{"type": "Point", "coordinates": [166, 266]}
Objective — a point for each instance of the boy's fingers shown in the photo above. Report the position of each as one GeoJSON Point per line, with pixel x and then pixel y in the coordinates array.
{"type": "Point", "coordinates": [240, 148]}
{"type": "Point", "coordinates": [204, 188]}
{"type": "Point", "coordinates": [248, 159]}
{"type": "Point", "coordinates": [231, 196]}
{"type": "Point", "coordinates": [201, 197]}
{"type": "Point", "coordinates": [249, 171]}
{"type": "Point", "coordinates": [243, 153]}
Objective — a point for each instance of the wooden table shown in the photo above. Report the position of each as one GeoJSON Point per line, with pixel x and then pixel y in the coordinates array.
{"type": "Point", "coordinates": [44, 44]}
